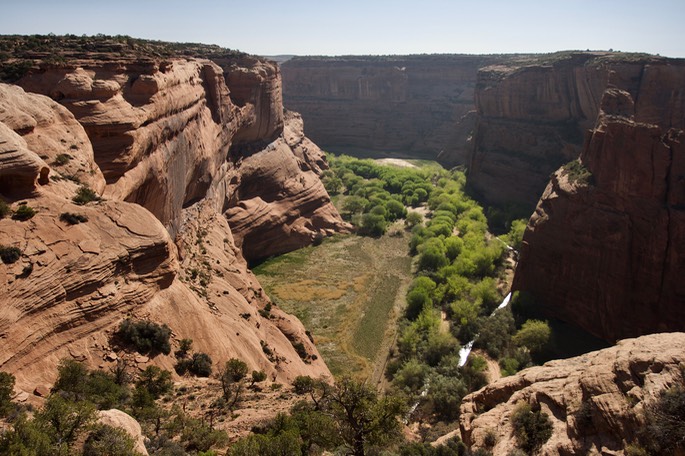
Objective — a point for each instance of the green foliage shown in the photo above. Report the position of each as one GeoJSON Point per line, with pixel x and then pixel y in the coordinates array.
{"type": "Point", "coordinates": [495, 333]}
{"type": "Point", "coordinates": [72, 219]}
{"type": "Point", "coordinates": [453, 447]}
{"type": "Point", "coordinates": [6, 390]}
{"type": "Point", "coordinates": [231, 376]}
{"type": "Point", "coordinates": [62, 159]}
{"type": "Point", "coordinates": [531, 428]}
{"type": "Point", "coordinates": [515, 236]}
{"type": "Point", "coordinates": [363, 418]}
{"type": "Point", "coordinates": [145, 336]}
{"type": "Point", "coordinates": [413, 219]}
{"type": "Point", "coordinates": [577, 173]}
{"type": "Point", "coordinates": [199, 365]}
{"type": "Point", "coordinates": [373, 225]}
{"type": "Point", "coordinates": [110, 441]}
{"type": "Point", "coordinates": [85, 195]}
{"type": "Point", "coordinates": [155, 381]}
{"type": "Point", "coordinates": [535, 335]}
{"type": "Point", "coordinates": [24, 212]}
{"type": "Point", "coordinates": [9, 254]}
{"type": "Point", "coordinates": [412, 376]}
{"type": "Point", "coordinates": [258, 376]}
{"type": "Point", "coordinates": [417, 299]}
{"type": "Point", "coordinates": [665, 433]}
{"type": "Point", "coordinates": [64, 421]}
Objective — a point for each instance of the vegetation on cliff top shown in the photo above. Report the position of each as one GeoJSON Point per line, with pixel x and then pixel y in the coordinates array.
{"type": "Point", "coordinates": [18, 53]}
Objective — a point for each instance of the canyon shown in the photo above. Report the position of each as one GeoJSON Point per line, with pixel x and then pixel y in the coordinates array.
{"type": "Point", "coordinates": [199, 171]}
{"type": "Point", "coordinates": [179, 150]}
{"type": "Point", "coordinates": [407, 106]}
{"type": "Point", "coordinates": [605, 252]}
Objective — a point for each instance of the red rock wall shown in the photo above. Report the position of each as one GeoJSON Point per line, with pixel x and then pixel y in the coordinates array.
{"type": "Point", "coordinates": [174, 149]}
{"type": "Point", "coordinates": [402, 106]}
{"type": "Point", "coordinates": [608, 255]}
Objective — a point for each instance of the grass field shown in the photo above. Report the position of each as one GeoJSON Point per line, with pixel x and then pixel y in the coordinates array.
{"type": "Point", "coordinates": [349, 292]}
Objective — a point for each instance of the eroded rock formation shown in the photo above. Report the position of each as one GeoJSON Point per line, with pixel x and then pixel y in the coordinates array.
{"type": "Point", "coordinates": [533, 114]}
{"type": "Point", "coordinates": [392, 105]}
{"type": "Point", "coordinates": [173, 146]}
{"type": "Point", "coordinates": [596, 401]}
{"type": "Point", "coordinates": [606, 253]}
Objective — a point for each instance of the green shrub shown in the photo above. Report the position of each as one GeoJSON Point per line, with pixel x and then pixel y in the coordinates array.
{"type": "Point", "coordinates": [665, 433]}
{"type": "Point", "coordinates": [531, 428]}
{"type": "Point", "coordinates": [85, 195]}
{"type": "Point", "coordinates": [110, 441]}
{"type": "Point", "coordinates": [6, 390]}
{"type": "Point", "coordinates": [534, 335]}
{"type": "Point", "coordinates": [201, 365]}
{"type": "Point", "coordinates": [62, 159]}
{"type": "Point", "coordinates": [145, 336]}
{"type": "Point", "coordinates": [577, 172]}
{"type": "Point", "coordinates": [9, 254]}
{"type": "Point", "coordinates": [155, 381]}
{"type": "Point", "coordinates": [258, 376]}
{"type": "Point", "coordinates": [73, 219]}
{"type": "Point", "coordinates": [24, 212]}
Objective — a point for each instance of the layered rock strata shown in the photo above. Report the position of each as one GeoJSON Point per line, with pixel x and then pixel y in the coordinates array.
{"type": "Point", "coordinates": [533, 114]}
{"type": "Point", "coordinates": [595, 402]}
{"type": "Point", "coordinates": [605, 251]}
{"type": "Point", "coordinates": [415, 106]}
{"type": "Point", "coordinates": [172, 149]}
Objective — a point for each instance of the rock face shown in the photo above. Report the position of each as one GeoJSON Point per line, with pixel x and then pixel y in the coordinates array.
{"type": "Point", "coordinates": [607, 255]}
{"type": "Point", "coordinates": [118, 419]}
{"type": "Point", "coordinates": [533, 114]}
{"type": "Point", "coordinates": [413, 106]}
{"type": "Point", "coordinates": [595, 401]}
{"type": "Point", "coordinates": [178, 148]}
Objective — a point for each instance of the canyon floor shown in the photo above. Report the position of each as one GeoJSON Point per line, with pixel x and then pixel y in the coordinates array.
{"type": "Point", "coordinates": [348, 292]}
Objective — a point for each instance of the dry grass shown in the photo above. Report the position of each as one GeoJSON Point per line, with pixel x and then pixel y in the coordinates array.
{"type": "Point", "coordinates": [348, 292]}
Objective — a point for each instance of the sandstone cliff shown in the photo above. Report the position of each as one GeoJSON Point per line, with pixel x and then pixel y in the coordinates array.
{"type": "Point", "coordinates": [174, 145]}
{"type": "Point", "coordinates": [533, 114]}
{"type": "Point", "coordinates": [416, 106]}
{"type": "Point", "coordinates": [596, 401]}
{"type": "Point", "coordinates": [606, 252]}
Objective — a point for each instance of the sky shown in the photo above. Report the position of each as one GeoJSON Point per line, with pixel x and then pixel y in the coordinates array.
{"type": "Point", "coordinates": [377, 27]}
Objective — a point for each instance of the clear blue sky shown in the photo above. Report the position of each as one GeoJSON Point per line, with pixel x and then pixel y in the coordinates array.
{"type": "Point", "coordinates": [270, 27]}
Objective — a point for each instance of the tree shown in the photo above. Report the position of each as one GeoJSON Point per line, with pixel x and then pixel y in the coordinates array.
{"type": "Point", "coordinates": [534, 335]}
{"type": "Point", "coordinates": [64, 421]}
{"type": "Point", "coordinates": [362, 417]}
{"type": "Point", "coordinates": [413, 218]}
{"type": "Point", "coordinates": [155, 381]}
{"type": "Point", "coordinates": [6, 389]}
{"type": "Point", "coordinates": [231, 378]}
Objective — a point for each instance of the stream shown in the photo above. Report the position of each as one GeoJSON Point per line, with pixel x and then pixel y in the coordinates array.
{"type": "Point", "coordinates": [464, 353]}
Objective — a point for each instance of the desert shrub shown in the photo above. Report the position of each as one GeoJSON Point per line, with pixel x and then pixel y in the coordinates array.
{"type": "Point", "coordinates": [72, 219]}
{"type": "Point", "coordinates": [300, 349]}
{"type": "Point", "coordinates": [199, 365]}
{"type": "Point", "coordinates": [5, 209]}
{"type": "Point", "coordinates": [531, 428]}
{"type": "Point", "coordinates": [185, 345]}
{"type": "Point", "coordinates": [155, 381]}
{"type": "Point", "coordinates": [24, 212]}
{"type": "Point", "coordinates": [303, 384]}
{"type": "Point", "coordinates": [577, 172]}
{"type": "Point", "coordinates": [258, 376]}
{"type": "Point", "coordinates": [85, 195]}
{"type": "Point", "coordinates": [62, 159]}
{"type": "Point", "coordinates": [490, 438]}
{"type": "Point", "coordinates": [665, 433]}
{"type": "Point", "coordinates": [9, 254]}
{"type": "Point", "coordinates": [110, 441]}
{"type": "Point", "coordinates": [145, 336]}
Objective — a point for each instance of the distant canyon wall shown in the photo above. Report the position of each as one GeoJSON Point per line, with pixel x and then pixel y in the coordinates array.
{"type": "Point", "coordinates": [200, 170]}
{"type": "Point", "coordinates": [409, 106]}
{"type": "Point", "coordinates": [605, 250]}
